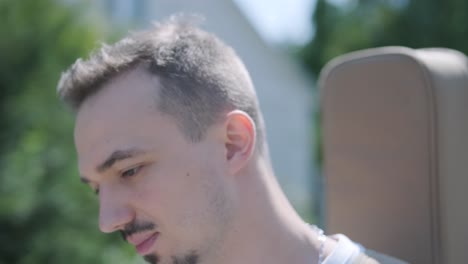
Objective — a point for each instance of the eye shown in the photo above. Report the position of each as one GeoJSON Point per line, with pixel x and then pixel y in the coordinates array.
{"type": "Point", "coordinates": [94, 188]}
{"type": "Point", "coordinates": [130, 172]}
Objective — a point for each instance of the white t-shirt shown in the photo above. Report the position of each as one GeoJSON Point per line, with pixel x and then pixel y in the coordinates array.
{"type": "Point", "coordinates": [345, 251]}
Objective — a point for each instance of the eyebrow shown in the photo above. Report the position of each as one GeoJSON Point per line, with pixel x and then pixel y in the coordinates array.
{"type": "Point", "coordinates": [116, 156]}
{"type": "Point", "coordinates": [84, 180]}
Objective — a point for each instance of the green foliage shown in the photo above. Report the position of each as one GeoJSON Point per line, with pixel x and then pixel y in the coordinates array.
{"type": "Point", "coordinates": [361, 24]}
{"type": "Point", "coordinates": [46, 214]}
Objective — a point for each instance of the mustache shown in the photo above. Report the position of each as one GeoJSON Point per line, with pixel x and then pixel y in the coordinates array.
{"type": "Point", "coordinates": [136, 227]}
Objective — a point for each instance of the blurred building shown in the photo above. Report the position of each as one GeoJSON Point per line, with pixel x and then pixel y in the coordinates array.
{"type": "Point", "coordinates": [283, 88]}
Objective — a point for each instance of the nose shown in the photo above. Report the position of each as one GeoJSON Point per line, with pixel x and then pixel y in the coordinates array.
{"type": "Point", "coordinates": [114, 210]}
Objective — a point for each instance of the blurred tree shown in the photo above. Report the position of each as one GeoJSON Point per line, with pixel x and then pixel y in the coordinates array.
{"type": "Point", "coordinates": [46, 215]}
{"type": "Point", "coordinates": [361, 24]}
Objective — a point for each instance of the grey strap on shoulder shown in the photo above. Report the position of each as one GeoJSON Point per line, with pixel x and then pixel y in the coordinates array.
{"type": "Point", "coordinates": [364, 259]}
{"type": "Point", "coordinates": [372, 257]}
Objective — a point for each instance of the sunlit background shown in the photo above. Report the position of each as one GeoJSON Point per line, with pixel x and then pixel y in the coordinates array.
{"type": "Point", "coordinates": [280, 21]}
{"type": "Point", "coordinates": [47, 216]}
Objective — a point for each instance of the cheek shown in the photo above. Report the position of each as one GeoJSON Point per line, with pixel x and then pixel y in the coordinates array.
{"type": "Point", "coordinates": [206, 194]}
{"type": "Point", "coordinates": [206, 215]}
{"type": "Point", "coordinates": [203, 203]}
{"type": "Point", "coordinates": [148, 194]}
{"type": "Point", "coordinates": [166, 191]}
{"type": "Point", "coordinates": [184, 193]}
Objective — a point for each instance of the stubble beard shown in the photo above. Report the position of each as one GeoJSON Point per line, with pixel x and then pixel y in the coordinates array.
{"type": "Point", "coordinates": [191, 258]}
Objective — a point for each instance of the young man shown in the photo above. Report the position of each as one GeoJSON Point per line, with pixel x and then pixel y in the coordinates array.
{"type": "Point", "coordinates": [170, 136]}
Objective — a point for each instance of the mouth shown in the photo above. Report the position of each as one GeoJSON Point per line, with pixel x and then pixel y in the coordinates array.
{"type": "Point", "coordinates": [144, 246]}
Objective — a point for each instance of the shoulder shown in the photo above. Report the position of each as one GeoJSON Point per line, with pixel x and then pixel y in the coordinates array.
{"type": "Point", "coordinates": [372, 257]}
{"type": "Point", "coordinates": [350, 252]}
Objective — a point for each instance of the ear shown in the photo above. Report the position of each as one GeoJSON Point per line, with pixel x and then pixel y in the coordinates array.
{"type": "Point", "coordinates": [240, 139]}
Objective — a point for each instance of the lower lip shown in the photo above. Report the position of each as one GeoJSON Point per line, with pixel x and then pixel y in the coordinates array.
{"type": "Point", "coordinates": [144, 247]}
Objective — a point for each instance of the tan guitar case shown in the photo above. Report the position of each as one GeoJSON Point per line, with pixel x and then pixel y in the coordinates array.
{"type": "Point", "coordinates": [395, 131]}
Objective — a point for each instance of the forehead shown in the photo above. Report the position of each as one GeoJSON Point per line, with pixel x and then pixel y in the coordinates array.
{"type": "Point", "coordinates": [134, 86]}
{"type": "Point", "coordinates": [122, 114]}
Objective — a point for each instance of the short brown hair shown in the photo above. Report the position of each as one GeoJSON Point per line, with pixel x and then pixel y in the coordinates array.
{"type": "Point", "coordinates": [200, 75]}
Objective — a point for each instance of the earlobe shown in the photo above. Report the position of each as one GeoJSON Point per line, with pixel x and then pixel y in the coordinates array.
{"type": "Point", "coordinates": [240, 139]}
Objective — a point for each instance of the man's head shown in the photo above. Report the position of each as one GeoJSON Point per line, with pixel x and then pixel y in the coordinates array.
{"type": "Point", "coordinates": [167, 120]}
{"type": "Point", "coordinates": [200, 76]}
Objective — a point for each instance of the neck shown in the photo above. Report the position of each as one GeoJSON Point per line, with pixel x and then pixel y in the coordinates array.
{"type": "Point", "coordinates": [266, 228]}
